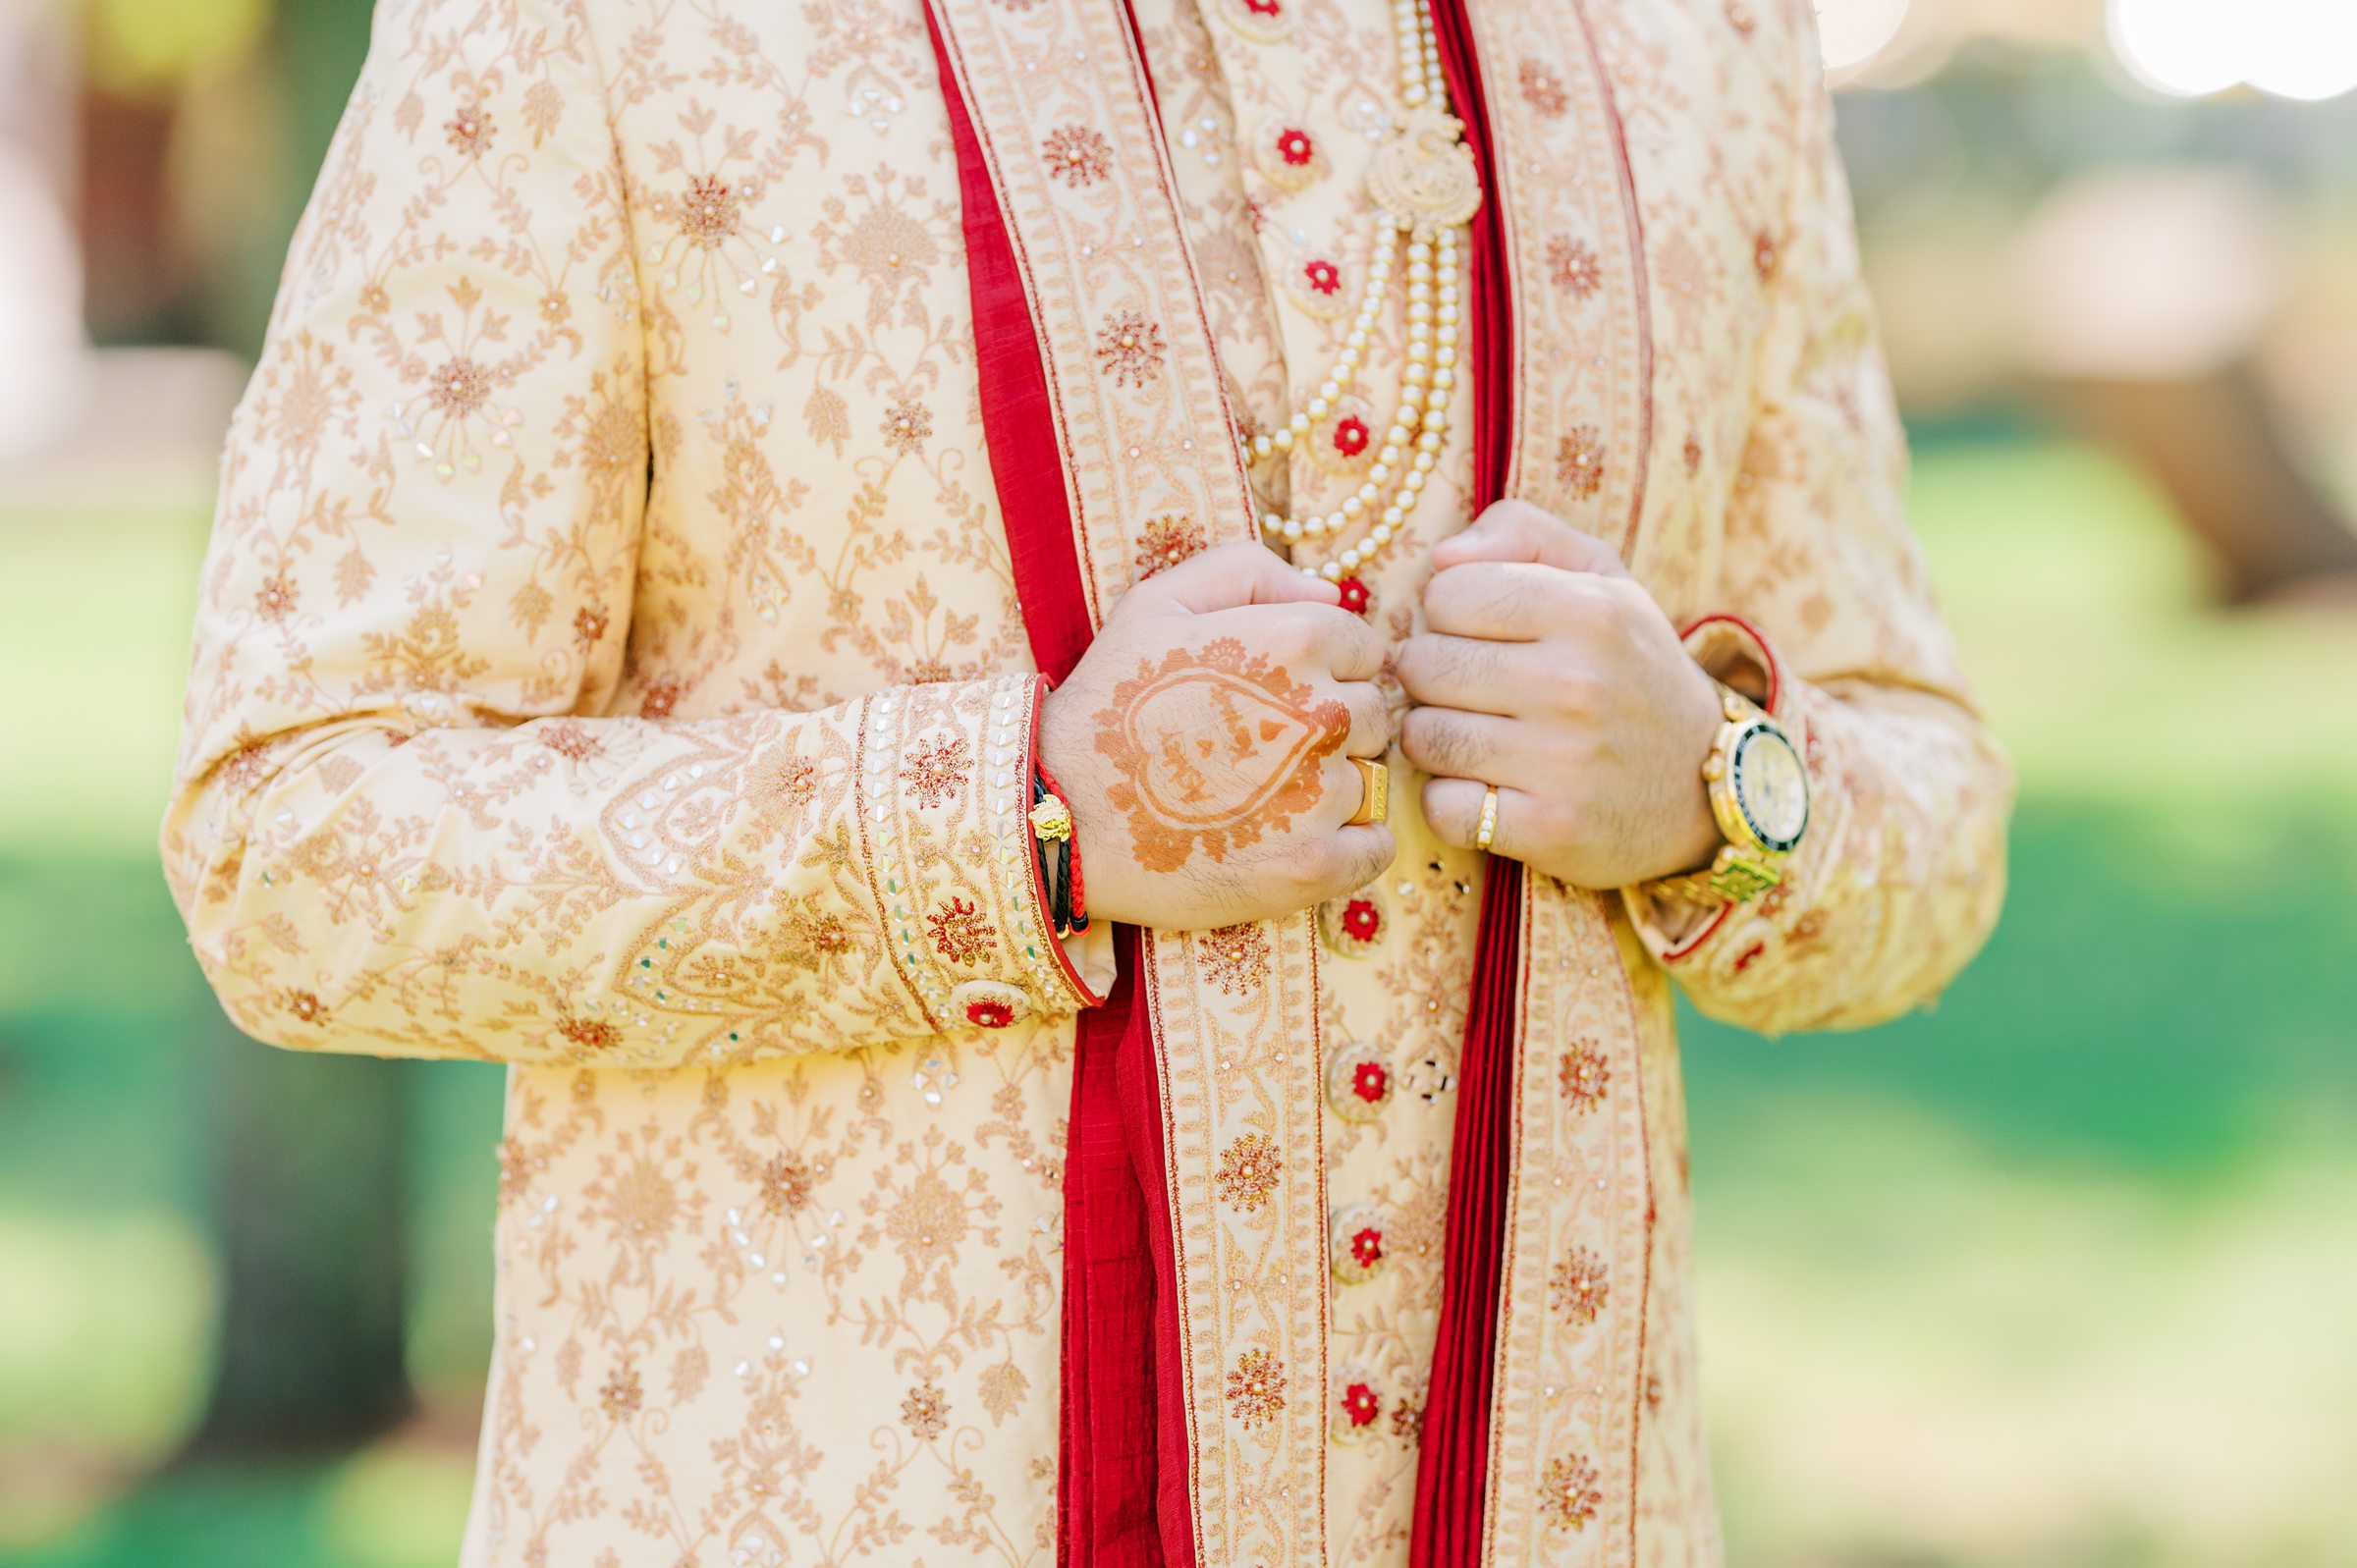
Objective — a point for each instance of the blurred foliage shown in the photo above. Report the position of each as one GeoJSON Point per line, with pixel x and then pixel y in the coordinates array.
{"type": "Point", "coordinates": [2043, 1278]}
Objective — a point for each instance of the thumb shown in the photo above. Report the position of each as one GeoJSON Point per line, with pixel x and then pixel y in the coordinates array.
{"type": "Point", "coordinates": [1231, 576]}
{"type": "Point", "coordinates": [1516, 530]}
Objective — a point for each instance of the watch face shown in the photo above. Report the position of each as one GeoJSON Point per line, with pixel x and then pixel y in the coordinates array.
{"type": "Point", "coordinates": [1770, 787]}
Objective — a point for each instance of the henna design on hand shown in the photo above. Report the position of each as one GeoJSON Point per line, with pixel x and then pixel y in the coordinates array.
{"type": "Point", "coordinates": [1185, 786]}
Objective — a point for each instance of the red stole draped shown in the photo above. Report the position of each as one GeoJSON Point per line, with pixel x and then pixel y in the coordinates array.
{"type": "Point", "coordinates": [1123, 1486]}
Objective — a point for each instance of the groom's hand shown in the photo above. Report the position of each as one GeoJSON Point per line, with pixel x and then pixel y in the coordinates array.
{"type": "Point", "coordinates": [1203, 745]}
{"type": "Point", "coordinates": [1549, 673]}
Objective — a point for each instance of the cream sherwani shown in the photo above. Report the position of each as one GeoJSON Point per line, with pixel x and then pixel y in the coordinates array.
{"type": "Point", "coordinates": [609, 663]}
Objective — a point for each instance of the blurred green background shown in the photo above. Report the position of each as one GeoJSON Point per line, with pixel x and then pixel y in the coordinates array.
{"type": "Point", "coordinates": [2058, 1275]}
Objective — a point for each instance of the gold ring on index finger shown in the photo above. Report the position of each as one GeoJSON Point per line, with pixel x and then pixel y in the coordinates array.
{"type": "Point", "coordinates": [1375, 792]}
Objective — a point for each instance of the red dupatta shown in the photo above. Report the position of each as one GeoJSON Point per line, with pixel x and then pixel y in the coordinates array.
{"type": "Point", "coordinates": [1123, 1476]}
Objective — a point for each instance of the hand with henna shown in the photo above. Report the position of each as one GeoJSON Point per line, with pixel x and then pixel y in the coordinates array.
{"type": "Point", "coordinates": [1203, 745]}
{"type": "Point", "coordinates": [1547, 671]}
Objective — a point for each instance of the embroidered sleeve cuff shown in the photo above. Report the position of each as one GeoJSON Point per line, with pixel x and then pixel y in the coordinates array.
{"type": "Point", "coordinates": [945, 796]}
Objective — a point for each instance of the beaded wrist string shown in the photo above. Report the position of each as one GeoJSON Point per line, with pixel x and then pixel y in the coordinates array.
{"type": "Point", "coordinates": [1059, 854]}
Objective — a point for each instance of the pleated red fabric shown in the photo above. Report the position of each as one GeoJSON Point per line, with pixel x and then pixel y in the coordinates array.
{"type": "Point", "coordinates": [1453, 1461]}
{"type": "Point", "coordinates": [1123, 1498]}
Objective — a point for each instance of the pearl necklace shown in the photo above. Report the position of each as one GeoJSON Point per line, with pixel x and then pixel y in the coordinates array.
{"type": "Point", "coordinates": [1424, 185]}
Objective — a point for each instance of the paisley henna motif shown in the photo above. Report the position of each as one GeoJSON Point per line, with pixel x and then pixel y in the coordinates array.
{"type": "Point", "coordinates": [1186, 787]}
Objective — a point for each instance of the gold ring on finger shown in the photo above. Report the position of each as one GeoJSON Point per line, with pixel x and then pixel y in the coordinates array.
{"type": "Point", "coordinates": [1489, 818]}
{"type": "Point", "coordinates": [1375, 792]}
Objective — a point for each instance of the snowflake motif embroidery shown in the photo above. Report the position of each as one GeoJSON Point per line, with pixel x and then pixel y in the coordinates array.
{"type": "Point", "coordinates": [458, 388]}
{"type": "Point", "coordinates": [1579, 461]}
{"type": "Point", "coordinates": [620, 1394]}
{"type": "Point", "coordinates": [276, 598]}
{"type": "Point", "coordinates": [470, 131]}
{"type": "Point", "coordinates": [785, 1186]}
{"type": "Point", "coordinates": [1578, 1287]}
{"type": "Point", "coordinates": [1585, 1075]}
{"type": "Point", "coordinates": [1568, 1493]}
{"type": "Point", "coordinates": [572, 741]}
{"type": "Point", "coordinates": [960, 935]}
{"type": "Point", "coordinates": [925, 1412]}
{"type": "Point", "coordinates": [1130, 348]}
{"type": "Point", "coordinates": [1248, 1172]}
{"type": "Point", "coordinates": [1543, 88]}
{"type": "Point", "coordinates": [1256, 1388]}
{"type": "Point", "coordinates": [1168, 540]}
{"type": "Point", "coordinates": [1237, 956]}
{"type": "Point", "coordinates": [934, 770]}
{"type": "Point", "coordinates": [709, 210]}
{"type": "Point", "coordinates": [1077, 155]}
{"type": "Point", "coordinates": [811, 939]}
{"type": "Point", "coordinates": [1576, 270]}
{"type": "Point", "coordinates": [306, 1006]}
{"type": "Point", "coordinates": [1323, 276]}
{"type": "Point", "coordinates": [589, 625]}
{"type": "Point", "coordinates": [660, 698]}
{"type": "Point", "coordinates": [789, 784]}
{"type": "Point", "coordinates": [588, 1034]}
{"type": "Point", "coordinates": [907, 427]}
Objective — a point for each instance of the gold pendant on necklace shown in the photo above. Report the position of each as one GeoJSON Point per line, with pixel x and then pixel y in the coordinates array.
{"type": "Point", "coordinates": [1424, 176]}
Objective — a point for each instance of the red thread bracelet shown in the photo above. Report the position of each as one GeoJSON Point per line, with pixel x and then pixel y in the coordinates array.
{"type": "Point", "coordinates": [1072, 848]}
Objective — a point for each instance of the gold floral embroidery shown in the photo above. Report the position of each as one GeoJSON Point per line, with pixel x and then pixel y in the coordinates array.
{"type": "Point", "coordinates": [1584, 1074]}
{"type": "Point", "coordinates": [1578, 1287]}
{"type": "Point", "coordinates": [925, 1412]}
{"type": "Point", "coordinates": [1234, 958]}
{"type": "Point", "coordinates": [962, 934]}
{"type": "Point", "coordinates": [1569, 1495]}
{"type": "Point", "coordinates": [1576, 270]}
{"type": "Point", "coordinates": [1579, 461]}
{"type": "Point", "coordinates": [1131, 349]}
{"type": "Point", "coordinates": [1248, 1171]}
{"type": "Point", "coordinates": [1077, 155]}
{"type": "Point", "coordinates": [620, 1395]}
{"type": "Point", "coordinates": [1256, 1388]}
{"type": "Point", "coordinates": [936, 769]}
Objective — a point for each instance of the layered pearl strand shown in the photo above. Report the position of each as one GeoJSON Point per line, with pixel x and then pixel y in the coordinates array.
{"type": "Point", "coordinates": [1429, 220]}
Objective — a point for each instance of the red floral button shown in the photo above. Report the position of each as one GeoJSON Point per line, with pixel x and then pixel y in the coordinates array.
{"type": "Point", "coordinates": [1361, 919]}
{"type": "Point", "coordinates": [1265, 8]}
{"type": "Point", "coordinates": [1371, 1081]}
{"type": "Point", "coordinates": [1360, 1404]}
{"type": "Point", "coordinates": [989, 1015]}
{"type": "Point", "coordinates": [1294, 146]}
{"type": "Point", "coordinates": [1367, 1246]}
{"type": "Point", "coordinates": [1355, 597]}
{"type": "Point", "coordinates": [1349, 435]}
{"type": "Point", "coordinates": [1323, 276]}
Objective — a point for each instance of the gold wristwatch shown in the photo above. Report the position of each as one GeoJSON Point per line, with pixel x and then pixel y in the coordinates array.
{"type": "Point", "coordinates": [1759, 792]}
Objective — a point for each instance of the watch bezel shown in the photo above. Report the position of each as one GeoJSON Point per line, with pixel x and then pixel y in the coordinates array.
{"type": "Point", "coordinates": [1735, 755]}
